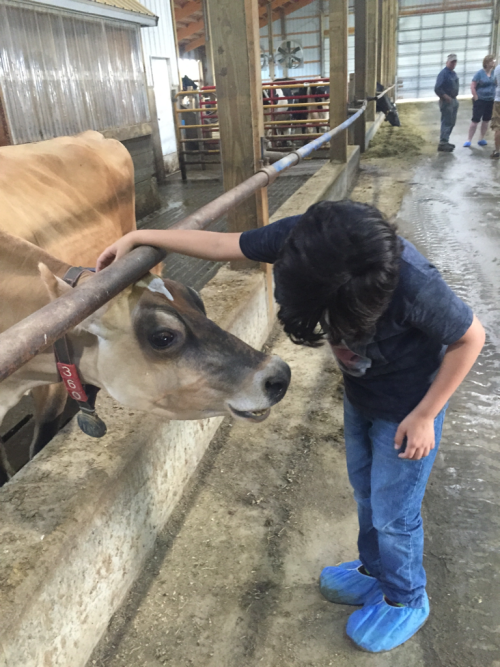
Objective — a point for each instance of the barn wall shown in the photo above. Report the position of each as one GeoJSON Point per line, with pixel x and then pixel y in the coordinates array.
{"type": "Point", "coordinates": [304, 27]}
{"type": "Point", "coordinates": [426, 38]}
{"type": "Point", "coordinates": [147, 198]}
{"type": "Point", "coordinates": [63, 73]}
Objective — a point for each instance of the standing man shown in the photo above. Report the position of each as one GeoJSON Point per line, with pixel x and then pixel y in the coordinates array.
{"type": "Point", "coordinates": [446, 89]}
{"type": "Point", "coordinates": [495, 119]}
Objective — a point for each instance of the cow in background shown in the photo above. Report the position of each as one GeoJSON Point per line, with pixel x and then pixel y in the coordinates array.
{"type": "Point", "coordinates": [387, 107]}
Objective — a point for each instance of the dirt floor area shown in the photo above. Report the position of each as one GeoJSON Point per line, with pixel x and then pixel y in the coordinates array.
{"type": "Point", "coordinates": [233, 581]}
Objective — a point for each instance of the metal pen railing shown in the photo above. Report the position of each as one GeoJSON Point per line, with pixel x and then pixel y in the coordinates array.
{"type": "Point", "coordinates": [288, 120]}
{"type": "Point", "coordinates": [42, 328]}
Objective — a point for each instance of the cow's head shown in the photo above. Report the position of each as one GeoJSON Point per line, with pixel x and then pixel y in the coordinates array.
{"type": "Point", "coordinates": [153, 348]}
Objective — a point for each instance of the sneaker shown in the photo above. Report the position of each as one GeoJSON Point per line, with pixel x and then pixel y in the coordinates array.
{"type": "Point", "coordinates": [495, 155]}
{"type": "Point", "coordinates": [482, 142]}
{"type": "Point", "coordinates": [445, 147]}
{"type": "Point", "coordinates": [381, 627]}
{"type": "Point", "coordinates": [467, 144]}
{"type": "Point", "coordinates": [345, 584]}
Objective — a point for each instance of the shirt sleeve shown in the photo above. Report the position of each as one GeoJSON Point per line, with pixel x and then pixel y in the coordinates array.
{"type": "Point", "coordinates": [264, 243]}
{"type": "Point", "coordinates": [438, 89]}
{"type": "Point", "coordinates": [439, 312]}
{"type": "Point", "coordinates": [477, 77]}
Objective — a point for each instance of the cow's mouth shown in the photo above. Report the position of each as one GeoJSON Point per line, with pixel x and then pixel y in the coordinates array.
{"type": "Point", "coordinates": [251, 415]}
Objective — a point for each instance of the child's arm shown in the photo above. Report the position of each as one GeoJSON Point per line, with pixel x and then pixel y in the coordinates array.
{"type": "Point", "coordinates": [215, 246]}
{"type": "Point", "coordinates": [418, 426]}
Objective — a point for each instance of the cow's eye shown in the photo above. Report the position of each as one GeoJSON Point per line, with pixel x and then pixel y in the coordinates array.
{"type": "Point", "coordinates": [160, 340]}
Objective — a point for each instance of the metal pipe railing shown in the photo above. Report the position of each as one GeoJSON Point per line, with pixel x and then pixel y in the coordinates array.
{"type": "Point", "coordinates": [42, 328]}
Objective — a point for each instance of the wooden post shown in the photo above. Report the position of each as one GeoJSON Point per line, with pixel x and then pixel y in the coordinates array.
{"type": "Point", "coordinates": [270, 40]}
{"type": "Point", "coordinates": [495, 29]}
{"type": "Point", "coordinates": [360, 35]}
{"type": "Point", "coordinates": [387, 43]}
{"type": "Point", "coordinates": [393, 46]}
{"type": "Point", "coordinates": [235, 45]}
{"type": "Point", "coordinates": [382, 40]}
{"type": "Point", "coordinates": [339, 10]}
{"type": "Point", "coordinates": [371, 56]}
{"type": "Point", "coordinates": [283, 38]}
{"type": "Point", "coordinates": [322, 30]}
{"type": "Point", "coordinates": [209, 58]}
{"type": "Point", "coordinates": [395, 42]}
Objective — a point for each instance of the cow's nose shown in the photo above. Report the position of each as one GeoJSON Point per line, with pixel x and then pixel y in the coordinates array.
{"type": "Point", "coordinates": [276, 380]}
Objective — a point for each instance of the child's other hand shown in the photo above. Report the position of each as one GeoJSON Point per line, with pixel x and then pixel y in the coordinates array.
{"type": "Point", "coordinates": [419, 434]}
{"type": "Point", "coordinates": [115, 251]}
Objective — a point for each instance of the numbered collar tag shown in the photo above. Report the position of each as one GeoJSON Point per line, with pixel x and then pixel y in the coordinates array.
{"type": "Point", "coordinates": [69, 376]}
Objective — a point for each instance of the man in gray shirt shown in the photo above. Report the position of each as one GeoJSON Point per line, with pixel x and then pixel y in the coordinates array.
{"type": "Point", "coordinates": [446, 88]}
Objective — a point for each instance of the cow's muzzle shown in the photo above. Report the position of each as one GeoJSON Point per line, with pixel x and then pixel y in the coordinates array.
{"type": "Point", "coordinates": [269, 386]}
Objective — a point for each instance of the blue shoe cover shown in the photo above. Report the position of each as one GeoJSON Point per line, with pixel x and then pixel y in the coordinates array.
{"type": "Point", "coordinates": [483, 142]}
{"type": "Point", "coordinates": [381, 627]}
{"type": "Point", "coordinates": [343, 584]}
{"type": "Point", "coordinates": [467, 144]}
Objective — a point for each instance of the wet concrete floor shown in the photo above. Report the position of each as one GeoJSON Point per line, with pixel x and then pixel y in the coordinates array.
{"type": "Point", "coordinates": [233, 581]}
{"type": "Point", "coordinates": [452, 214]}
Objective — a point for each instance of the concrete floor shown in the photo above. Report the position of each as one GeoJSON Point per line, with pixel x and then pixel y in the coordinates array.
{"type": "Point", "coordinates": [182, 609]}
{"type": "Point", "coordinates": [452, 213]}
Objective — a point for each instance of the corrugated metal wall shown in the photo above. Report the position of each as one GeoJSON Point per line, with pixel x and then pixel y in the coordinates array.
{"type": "Point", "coordinates": [61, 73]}
{"type": "Point", "coordinates": [302, 27]}
{"type": "Point", "coordinates": [159, 42]}
{"type": "Point", "coordinates": [305, 27]}
{"type": "Point", "coordinates": [412, 7]}
{"type": "Point", "coordinates": [424, 41]}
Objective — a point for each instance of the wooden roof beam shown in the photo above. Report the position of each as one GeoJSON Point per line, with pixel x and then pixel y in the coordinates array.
{"type": "Point", "coordinates": [275, 4]}
{"type": "Point", "coordinates": [194, 44]}
{"type": "Point", "coordinates": [199, 41]}
{"type": "Point", "coordinates": [291, 8]}
{"type": "Point", "coordinates": [190, 29]}
{"type": "Point", "coordinates": [188, 9]}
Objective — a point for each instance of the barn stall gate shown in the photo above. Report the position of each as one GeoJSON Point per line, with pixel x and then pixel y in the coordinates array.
{"type": "Point", "coordinates": [289, 120]}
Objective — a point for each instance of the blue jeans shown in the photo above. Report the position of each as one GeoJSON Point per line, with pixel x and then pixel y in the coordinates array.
{"type": "Point", "coordinates": [389, 493]}
{"type": "Point", "coordinates": [448, 118]}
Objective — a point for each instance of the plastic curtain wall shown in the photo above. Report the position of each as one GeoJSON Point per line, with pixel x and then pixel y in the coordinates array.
{"type": "Point", "coordinates": [62, 74]}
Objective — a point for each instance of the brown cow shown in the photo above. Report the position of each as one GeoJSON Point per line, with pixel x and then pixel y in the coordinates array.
{"type": "Point", "coordinates": [70, 196]}
{"type": "Point", "coordinates": [151, 347]}
{"type": "Point", "coordinates": [66, 199]}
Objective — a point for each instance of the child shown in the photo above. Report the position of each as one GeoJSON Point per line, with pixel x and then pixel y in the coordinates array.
{"type": "Point", "coordinates": [404, 342]}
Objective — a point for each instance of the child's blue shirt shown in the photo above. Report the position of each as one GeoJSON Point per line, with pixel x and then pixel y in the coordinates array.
{"type": "Point", "coordinates": [396, 368]}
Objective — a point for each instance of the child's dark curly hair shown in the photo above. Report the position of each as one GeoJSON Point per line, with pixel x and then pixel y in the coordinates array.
{"type": "Point", "coordinates": [337, 269]}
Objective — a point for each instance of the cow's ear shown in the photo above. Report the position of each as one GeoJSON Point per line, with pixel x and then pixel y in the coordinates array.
{"type": "Point", "coordinates": [55, 286]}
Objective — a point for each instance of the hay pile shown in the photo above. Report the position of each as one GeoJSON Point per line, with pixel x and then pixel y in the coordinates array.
{"type": "Point", "coordinates": [404, 141]}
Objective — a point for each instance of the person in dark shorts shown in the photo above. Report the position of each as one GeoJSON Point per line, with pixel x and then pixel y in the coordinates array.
{"type": "Point", "coordinates": [404, 342]}
{"type": "Point", "coordinates": [483, 94]}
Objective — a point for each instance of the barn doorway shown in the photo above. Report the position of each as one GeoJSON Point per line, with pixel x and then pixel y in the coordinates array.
{"type": "Point", "coordinates": [162, 81]}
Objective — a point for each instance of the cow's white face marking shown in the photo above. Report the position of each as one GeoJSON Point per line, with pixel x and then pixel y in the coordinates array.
{"type": "Point", "coordinates": [157, 285]}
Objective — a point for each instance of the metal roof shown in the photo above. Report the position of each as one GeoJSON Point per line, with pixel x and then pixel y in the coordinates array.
{"type": "Point", "coordinates": [122, 10]}
{"type": "Point", "coordinates": [127, 5]}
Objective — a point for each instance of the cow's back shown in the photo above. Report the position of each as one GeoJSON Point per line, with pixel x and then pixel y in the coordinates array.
{"type": "Point", "coordinates": [71, 196]}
